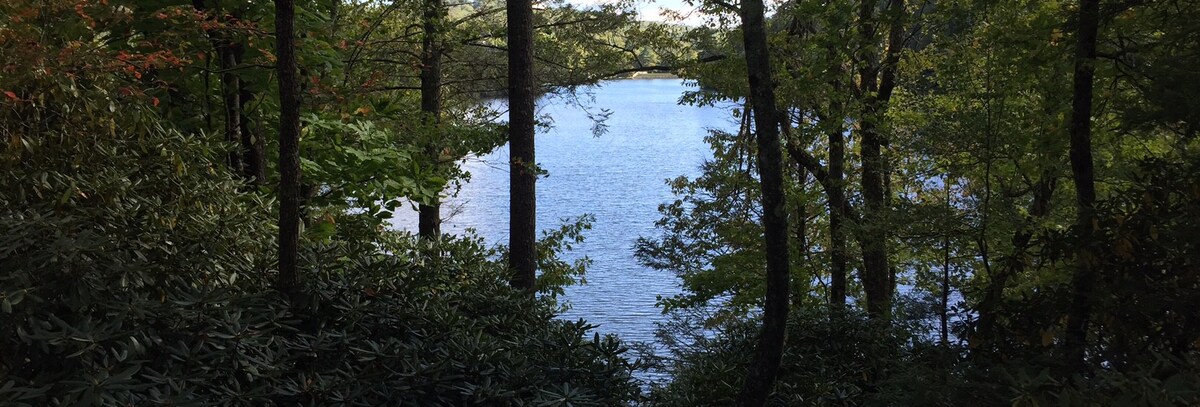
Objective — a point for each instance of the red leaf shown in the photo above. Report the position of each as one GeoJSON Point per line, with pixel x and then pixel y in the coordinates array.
{"type": "Point", "coordinates": [11, 95]}
{"type": "Point", "coordinates": [154, 101]}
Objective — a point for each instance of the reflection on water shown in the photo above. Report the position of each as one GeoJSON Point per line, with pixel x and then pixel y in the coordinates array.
{"type": "Point", "coordinates": [618, 177]}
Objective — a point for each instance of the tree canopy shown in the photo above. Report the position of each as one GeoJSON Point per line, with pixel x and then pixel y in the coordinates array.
{"type": "Point", "coordinates": [956, 202]}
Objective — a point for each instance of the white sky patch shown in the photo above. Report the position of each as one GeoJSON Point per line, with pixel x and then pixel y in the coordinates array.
{"type": "Point", "coordinates": [670, 11]}
{"type": "Point", "coordinates": [590, 3]}
{"type": "Point", "coordinates": [663, 11]}
{"type": "Point", "coordinates": [691, 16]}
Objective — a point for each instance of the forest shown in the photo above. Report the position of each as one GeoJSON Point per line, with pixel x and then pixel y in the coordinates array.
{"type": "Point", "coordinates": [924, 202]}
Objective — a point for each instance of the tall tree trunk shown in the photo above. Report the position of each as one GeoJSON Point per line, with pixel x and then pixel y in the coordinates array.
{"type": "Point", "coordinates": [763, 369]}
{"type": "Point", "coordinates": [249, 161]}
{"type": "Point", "coordinates": [876, 273]}
{"type": "Point", "coordinates": [836, 200]}
{"type": "Point", "coordinates": [289, 148]}
{"type": "Point", "coordinates": [254, 157]}
{"type": "Point", "coordinates": [834, 179]}
{"type": "Point", "coordinates": [877, 82]}
{"type": "Point", "coordinates": [801, 244]}
{"type": "Point", "coordinates": [227, 52]}
{"type": "Point", "coordinates": [1087, 260]}
{"type": "Point", "coordinates": [231, 96]}
{"type": "Point", "coordinates": [522, 260]}
{"type": "Point", "coordinates": [944, 316]}
{"type": "Point", "coordinates": [429, 224]}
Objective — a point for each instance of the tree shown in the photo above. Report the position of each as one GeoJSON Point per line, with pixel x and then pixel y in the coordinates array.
{"type": "Point", "coordinates": [249, 159]}
{"type": "Point", "coordinates": [975, 216]}
{"type": "Point", "coordinates": [459, 53]}
{"type": "Point", "coordinates": [845, 81]}
{"type": "Point", "coordinates": [876, 84]}
{"type": "Point", "coordinates": [126, 229]}
{"type": "Point", "coordinates": [289, 148]}
{"type": "Point", "coordinates": [829, 110]}
{"type": "Point", "coordinates": [522, 165]}
{"type": "Point", "coordinates": [760, 376]}
{"type": "Point", "coordinates": [429, 221]}
{"type": "Point", "coordinates": [836, 193]}
{"type": "Point", "coordinates": [1087, 261]}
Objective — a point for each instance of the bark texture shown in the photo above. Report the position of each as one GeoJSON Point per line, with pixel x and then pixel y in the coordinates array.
{"type": "Point", "coordinates": [429, 223]}
{"type": "Point", "coordinates": [836, 201]}
{"type": "Point", "coordinates": [877, 80]}
{"type": "Point", "coordinates": [249, 160]}
{"type": "Point", "coordinates": [1087, 258]}
{"type": "Point", "coordinates": [254, 157]}
{"type": "Point", "coordinates": [522, 171]}
{"type": "Point", "coordinates": [231, 100]}
{"type": "Point", "coordinates": [289, 148]}
{"type": "Point", "coordinates": [764, 367]}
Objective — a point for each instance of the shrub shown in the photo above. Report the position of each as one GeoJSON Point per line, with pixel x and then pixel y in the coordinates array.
{"type": "Point", "coordinates": [136, 271]}
{"type": "Point", "coordinates": [828, 360]}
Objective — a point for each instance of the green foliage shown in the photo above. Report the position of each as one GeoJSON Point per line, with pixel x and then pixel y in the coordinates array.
{"type": "Point", "coordinates": [1162, 380]}
{"type": "Point", "coordinates": [555, 272]}
{"type": "Point", "coordinates": [136, 277]}
{"type": "Point", "coordinates": [977, 187]}
{"type": "Point", "coordinates": [849, 360]}
{"type": "Point", "coordinates": [711, 238]}
{"type": "Point", "coordinates": [361, 163]}
{"type": "Point", "coordinates": [830, 359]}
{"type": "Point", "coordinates": [1150, 227]}
{"type": "Point", "coordinates": [136, 268]}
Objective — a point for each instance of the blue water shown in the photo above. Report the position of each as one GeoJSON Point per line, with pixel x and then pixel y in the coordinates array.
{"type": "Point", "coordinates": [618, 177]}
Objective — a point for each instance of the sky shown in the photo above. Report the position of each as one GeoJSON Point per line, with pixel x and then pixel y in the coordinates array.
{"type": "Point", "coordinates": [652, 10]}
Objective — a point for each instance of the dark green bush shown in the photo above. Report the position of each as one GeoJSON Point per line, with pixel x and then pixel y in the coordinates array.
{"type": "Point", "coordinates": [828, 360]}
{"type": "Point", "coordinates": [848, 360]}
{"type": "Point", "coordinates": [135, 271]}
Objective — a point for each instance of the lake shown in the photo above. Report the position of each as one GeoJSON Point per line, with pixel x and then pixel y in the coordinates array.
{"type": "Point", "coordinates": [619, 177]}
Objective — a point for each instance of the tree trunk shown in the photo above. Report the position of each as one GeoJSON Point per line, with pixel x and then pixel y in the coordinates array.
{"type": "Point", "coordinates": [289, 148]}
{"type": "Point", "coordinates": [227, 59]}
{"type": "Point", "coordinates": [876, 273]}
{"type": "Point", "coordinates": [522, 167]}
{"type": "Point", "coordinates": [1087, 260]}
{"type": "Point", "coordinates": [254, 158]}
{"type": "Point", "coordinates": [877, 83]}
{"type": "Point", "coordinates": [429, 224]}
{"type": "Point", "coordinates": [836, 200]}
{"type": "Point", "coordinates": [249, 161]}
{"type": "Point", "coordinates": [231, 98]}
{"type": "Point", "coordinates": [944, 313]}
{"type": "Point", "coordinates": [801, 229]}
{"type": "Point", "coordinates": [763, 369]}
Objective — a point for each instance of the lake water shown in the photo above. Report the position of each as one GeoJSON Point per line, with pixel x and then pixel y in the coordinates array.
{"type": "Point", "coordinates": [618, 177]}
